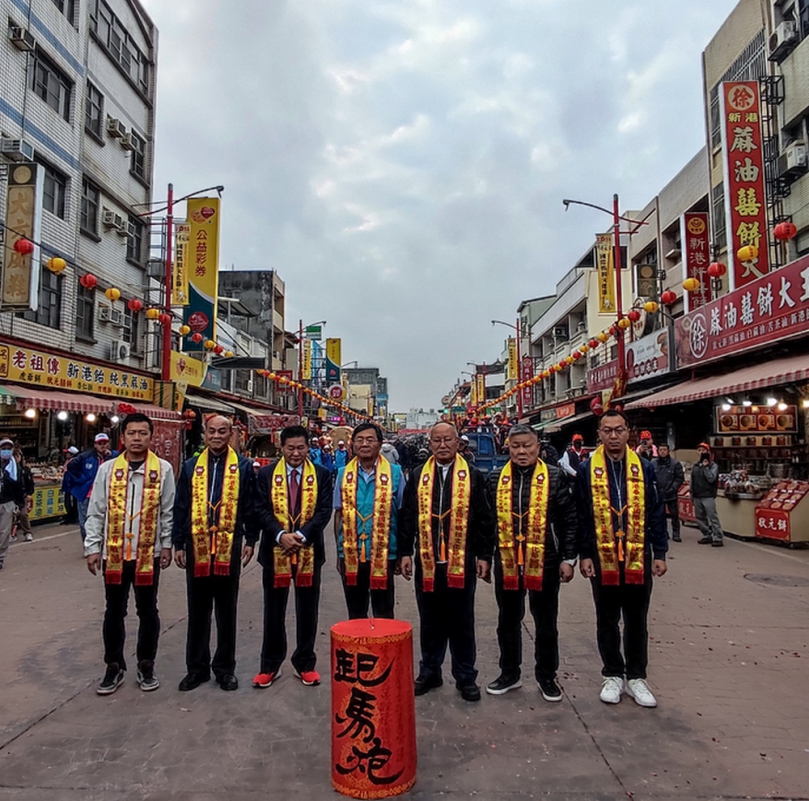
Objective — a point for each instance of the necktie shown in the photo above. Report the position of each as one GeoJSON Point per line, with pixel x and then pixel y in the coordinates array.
{"type": "Point", "coordinates": [293, 492]}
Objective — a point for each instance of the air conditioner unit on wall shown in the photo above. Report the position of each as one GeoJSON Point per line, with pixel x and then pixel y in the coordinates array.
{"type": "Point", "coordinates": [111, 219]}
{"type": "Point", "coordinates": [126, 142]}
{"type": "Point", "coordinates": [17, 149]}
{"type": "Point", "coordinates": [794, 161]}
{"type": "Point", "coordinates": [784, 40]}
{"type": "Point", "coordinates": [21, 38]}
{"type": "Point", "coordinates": [119, 350]}
{"type": "Point", "coordinates": [115, 128]}
{"type": "Point", "coordinates": [560, 332]}
{"type": "Point", "coordinates": [107, 314]}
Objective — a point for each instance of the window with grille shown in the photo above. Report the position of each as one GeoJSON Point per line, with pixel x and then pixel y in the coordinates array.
{"type": "Point", "coordinates": [94, 111]}
{"type": "Point", "coordinates": [67, 7]}
{"type": "Point", "coordinates": [130, 330]}
{"type": "Point", "coordinates": [54, 191]}
{"type": "Point", "coordinates": [138, 156]}
{"type": "Point", "coordinates": [243, 380]}
{"type": "Point", "coordinates": [90, 201]}
{"type": "Point", "coordinates": [49, 307]}
{"type": "Point", "coordinates": [134, 241]}
{"type": "Point", "coordinates": [85, 312]}
{"type": "Point", "coordinates": [51, 84]}
{"type": "Point", "coordinates": [119, 44]}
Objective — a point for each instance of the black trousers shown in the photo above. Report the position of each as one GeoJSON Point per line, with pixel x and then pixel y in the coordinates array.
{"type": "Point", "coordinates": [447, 617]}
{"type": "Point", "coordinates": [209, 595]}
{"type": "Point", "coordinates": [673, 513]}
{"type": "Point", "coordinates": [117, 602]}
{"type": "Point", "coordinates": [360, 596]}
{"type": "Point", "coordinates": [274, 644]}
{"type": "Point", "coordinates": [630, 602]}
{"type": "Point", "coordinates": [544, 606]}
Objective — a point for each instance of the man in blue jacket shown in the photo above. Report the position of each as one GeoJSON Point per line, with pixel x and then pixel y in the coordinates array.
{"type": "Point", "coordinates": [83, 469]}
{"type": "Point", "coordinates": [622, 544]}
{"type": "Point", "coordinates": [214, 534]}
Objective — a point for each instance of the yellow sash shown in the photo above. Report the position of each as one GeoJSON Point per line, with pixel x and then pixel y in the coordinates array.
{"type": "Point", "coordinates": [458, 512]}
{"type": "Point", "coordinates": [616, 547]}
{"type": "Point", "coordinates": [279, 496]}
{"type": "Point", "coordinates": [214, 539]}
{"type": "Point", "coordinates": [119, 521]}
{"type": "Point", "coordinates": [353, 542]}
{"type": "Point", "coordinates": [518, 550]}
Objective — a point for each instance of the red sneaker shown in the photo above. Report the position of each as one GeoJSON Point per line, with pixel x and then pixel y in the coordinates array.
{"type": "Point", "coordinates": [264, 680]}
{"type": "Point", "coordinates": [310, 678]}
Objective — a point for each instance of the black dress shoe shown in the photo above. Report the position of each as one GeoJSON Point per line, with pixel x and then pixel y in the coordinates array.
{"type": "Point", "coordinates": [469, 690]}
{"type": "Point", "coordinates": [192, 681]}
{"type": "Point", "coordinates": [228, 682]}
{"type": "Point", "coordinates": [423, 684]}
{"type": "Point", "coordinates": [704, 541]}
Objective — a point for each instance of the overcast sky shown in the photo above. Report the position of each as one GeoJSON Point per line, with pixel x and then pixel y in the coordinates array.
{"type": "Point", "coordinates": [401, 163]}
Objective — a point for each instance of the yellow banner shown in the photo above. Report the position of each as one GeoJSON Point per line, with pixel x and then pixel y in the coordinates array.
{"type": "Point", "coordinates": [306, 367]}
{"type": "Point", "coordinates": [605, 269]}
{"type": "Point", "coordinates": [179, 282]}
{"type": "Point", "coordinates": [203, 267]}
{"type": "Point", "coordinates": [28, 366]}
{"type": "Point", "coordinates": [187, 368]}
{"type": "Point", "coordinates": [334, 351]}
{"type": "Point", "coordinates": [512, 359]}
{"type": "Point", "coordinates": [480, 382]}
{"type": "Point", "coordinates": [20, 279]}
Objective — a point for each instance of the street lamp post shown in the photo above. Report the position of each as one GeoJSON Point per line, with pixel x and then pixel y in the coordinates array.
{"type": "Point", "coordinates": [517, 366]}
{"type": "Point", "coordinates": [616, 226]}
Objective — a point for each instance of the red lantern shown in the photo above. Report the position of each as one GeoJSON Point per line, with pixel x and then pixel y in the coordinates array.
{"type": "Point", "coordinates": [716, 269]}
{"type": "Point", "coordinates": [634, 315]}
{"type": "Point", "coordinates": [593, 343]}
{"type": "Point", "coordinates": [577, 355]}
{"type": "Point", "coordinates": [785, 230]}
{"type": "Point", "coordinates": [219, 350]}
{"type": "Point", "coordinates": [134, 305]}
{"type": "Point", "coordinates": [189, 414]}
{"type": "Point", "coordinates": [668, 297]}
{"type": "Point", "coordinates": [88, 281]}
{"type": "Point", "coordinates": [562, 365]}
{"type": "Point", "coordinates": [196, 338]}
{"type": "Point", "coordinates": [164, 318]}
{"type": "Point", "coordinates": [24, 246]}
{"type": "Point", "coordinates": [596, 407]}
{"type": "Point", "coordinates": [613, 330]}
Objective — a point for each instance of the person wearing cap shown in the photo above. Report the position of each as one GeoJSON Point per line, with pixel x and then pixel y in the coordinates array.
{"type": "Point", "coordinates": [647, 448]}
{"type": "Point", "coordinates": [670, 478]}
{"type": "Point", "coordinates": [84, 468]}
{"type": "Point", "coordinates": [129, 522]}
{"type": "Point", "coordinates": [465, 450]}
{"type": "Point", "coordinates": [340, 455]}
{"type": "Point", "coordinates": [573, 456]}
{"type": "Point", "coordinates": [10, 488]}
{"type": "Point", "coordinates": [704, 485]}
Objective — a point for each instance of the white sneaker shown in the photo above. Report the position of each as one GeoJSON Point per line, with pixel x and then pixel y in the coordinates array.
{"type": "Point", "coordinates": [29, 537]}
{"type": "Point", "coordinates": [639, 690]}
{"type": "Point", "coordinates": [612, 689]}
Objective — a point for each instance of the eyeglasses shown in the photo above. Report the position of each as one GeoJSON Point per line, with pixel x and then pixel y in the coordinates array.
{"type": "Point", "coordinates": [609, 432]}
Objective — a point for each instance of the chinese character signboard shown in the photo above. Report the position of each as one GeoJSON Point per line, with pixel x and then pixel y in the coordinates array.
{"type": "Point", "coordinates": [187, 368]}
{"type": "Point", "coordinates": [19, 289]}
{"type": "Point", "coordinates": [527, 374]}
{"type": "Point", "coordinates": [28, 366]}
{"type": "Point", "coordinates": [605, 269]}
{"type": "Point", "coordinates": [603, 376]}
{"type": "Point", "coordinates": [745, 199]}
{"type": "Point", "coordinates": [772, 524]}
{"type": "Point", "coordinates": [775, 306]}
{"type": "Point", "coordinates": [306, 367]}
{"type": "Point", "coordinates": [696, 246]}
{"type": "Point", "coordinates": [648, 356]}
{"type": "Point", "coordinates": [373, 717]}
{"type": "Point", "coordinates": [513, 359]}
{"type": "Point", "coordinates": [480, 387]}
{"type": "Point", "coordinates": [203, 269]}
{"type": "Point", "coordinates": [179, 282]}
{"type": "Point", "coordinates": [333, 358]}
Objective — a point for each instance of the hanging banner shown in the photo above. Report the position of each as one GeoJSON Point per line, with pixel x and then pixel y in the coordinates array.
{"type": "Point", "coordinates": [20, 281]}
{"type": "Point", "coordinates": [179, 275]}
{"type": "Point", "coordinates": [513, 360]}
{"type": "Point", "coordinates": [527, 374]}
{"type": "Point", "coordinates": [306, 366]}
{"type": "Point", "coordinates": [333, 360]}
{"type": "Point", "coordinates": [203, 269]}
{"type": "Point", "coordinates": [605, 268]}
{"type": "Point", "coordinates": [480, 384]}
{"type": "Point", "coordinates": [745, 193]}
{"type": "Point", "coordinates": [696, 244]}
{"type": "Point", "coordinates": [187, 368]}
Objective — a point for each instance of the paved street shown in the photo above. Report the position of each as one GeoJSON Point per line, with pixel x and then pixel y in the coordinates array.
{"type": "Point", "coordinates": [729, 664]}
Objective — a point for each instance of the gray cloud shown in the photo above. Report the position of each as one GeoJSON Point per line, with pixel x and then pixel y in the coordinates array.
{"type": "Point", "coordinates": [401, 164]}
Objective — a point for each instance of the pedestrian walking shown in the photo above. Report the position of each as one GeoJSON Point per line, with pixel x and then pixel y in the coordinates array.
{"type": "Point", "coordinates": [367, 499]}
{"type": "Point", "coordinates": [536, 551]}
{"type": "Point", "coordinates": [214, 536]}
{"type": "Point", "coordinates": [704, 487]}
{"type": "Point", "coordinates": [447, 519]}
{"type": "Point", "coordinates": [83, 469]}
{"type": "Point", "coordinates": [25, 498]}
{"type": "Point", "coordinates": [573, 456]}
{"type": "Point", "coordinates": [10, 489]}
{"type": "Point", "coordinates": [129, 522]}
{"type": "Point", "coordinates": [622, 544]}
{"type": "Point", "coordinates": [293, 504]}
{"type": "Point", "coordinates": [670, 477]}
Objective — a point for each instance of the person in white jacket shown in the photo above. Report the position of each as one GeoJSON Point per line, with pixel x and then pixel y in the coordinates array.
{"type": "Point", "coordinates": [129, 523]}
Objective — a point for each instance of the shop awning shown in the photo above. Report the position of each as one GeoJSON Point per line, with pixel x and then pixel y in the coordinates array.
{"type": "Point", "coordinates": [756, 376]}
{"type": "Point", "coordinates": [157, 412]}
{"type": "Point", "coordinates": [48, 400]}
{"type": "Point", "coordinates": [557, 425]}
{"type": "Point", "coordinates": [5, 396]}
{"type": "Point", "coordinates": [265, 421]}
{"type": "Point", "coordinates": [208, 404]}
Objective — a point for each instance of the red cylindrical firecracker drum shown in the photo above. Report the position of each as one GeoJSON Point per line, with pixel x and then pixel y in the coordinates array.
{"type": "Point", "coordinates": [373, 714]}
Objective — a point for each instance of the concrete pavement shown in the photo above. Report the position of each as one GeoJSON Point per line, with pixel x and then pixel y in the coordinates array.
{"type": "Point", "coordinates": [728, 662]}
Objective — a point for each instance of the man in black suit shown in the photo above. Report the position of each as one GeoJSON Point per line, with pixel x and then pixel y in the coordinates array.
{"type": "Point", "coordinates": [293, 505]}
{"type": "Point", "coordinates": [446, 518]}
